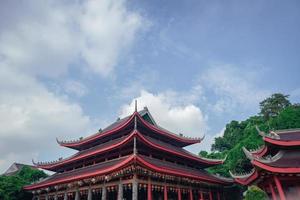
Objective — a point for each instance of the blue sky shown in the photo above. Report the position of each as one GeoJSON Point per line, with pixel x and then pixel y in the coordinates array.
{"type": "Point", "coordinates": [69, 68]}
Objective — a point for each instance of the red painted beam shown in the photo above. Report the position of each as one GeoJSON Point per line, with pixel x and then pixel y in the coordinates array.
{"type": "Point", "coordinates": [179, 194]}
{"type": "Point", "coordinates": [272, 191]}
{"type": "Point", "coordinates": [165, 192]}
{"type": "Point", "coordinates": [287, 143]}
{"type": "Point", "coordinates": [279, 188]}
{"type": "Point", "coordinates": [149, 191]}
{"type": "Point", "coordinates": [276, 169]}
{"type": "Point", "coordinates": [177, 172]}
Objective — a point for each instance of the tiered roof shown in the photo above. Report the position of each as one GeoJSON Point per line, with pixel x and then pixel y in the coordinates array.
{"type": "Point", "coordinates": [140, 128]}
{"type": "Point", "coordinates": [280, 154]}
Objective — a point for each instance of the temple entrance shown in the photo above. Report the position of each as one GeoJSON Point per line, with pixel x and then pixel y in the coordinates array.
{"type": "Point", "coordinates": [97, 194]}
{"type": "Point", "coordinates": [127, 193]}
{"type": "Point", "coordinates": [158, 195]}
{"type": "Point", "coordinates": [71, 195]}
{"type": "Point", "coordinates": [83, 195]}
{"type": "Point", "coordinates": [112, 195]}
{"type": "Point", "coordinates": [142, 193]}
{"type": "Point", "coordinates": [172, 195]}
{"type": "Point", "coordinates": [185, 196]}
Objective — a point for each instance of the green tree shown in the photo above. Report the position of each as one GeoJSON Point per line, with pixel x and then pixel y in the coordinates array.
{"type": "Point", "coordinates": [11, 187]}
{"type": "Point", "coordinates": [244, 134]}
{"type": "Point", "coordinates": [255, 193]}
{"type": "Point", "coordinates": [271, 106]}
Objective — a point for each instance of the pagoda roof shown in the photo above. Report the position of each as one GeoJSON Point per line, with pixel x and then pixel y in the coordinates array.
{"type": "Point", "coordinates": [118, 142]}
{"type": "Point", "coordinates": [287, 137]}
{"type": "Point", "coordinates": [105, 168]}
{"type": "Point", "coordinates": [284, 161]}
{"type": "Point", "coordinates": [160, 145]}
{"type": "Point", "coordinates": [245, 178]}
{"type": "Point", "coordinates": [82, 173]}
{"type": "Point", "coordinates": [180, 170]}
{"type": "Point", "coordinates": [101, 148]}
{"type": "Point", "coordinates": [121, 124]}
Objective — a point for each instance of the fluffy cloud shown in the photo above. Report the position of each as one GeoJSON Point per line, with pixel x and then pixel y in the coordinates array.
{"type": "Point", "coordinates": [171, 114]}
{"type": "Point", "coordinates": [53, 35]}
{"type": "Point", "coordinates": [75, 87]}
{"type": "Point", "coordinates": [31, 117]}
{"type": "Point", "coordinates": [45, 39]}
{"type": "Point", "coordinates": [233, 88]}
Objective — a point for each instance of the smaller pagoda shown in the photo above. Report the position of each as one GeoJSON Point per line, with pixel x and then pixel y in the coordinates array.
{"type": "Point", "coordinates": [276, 165]}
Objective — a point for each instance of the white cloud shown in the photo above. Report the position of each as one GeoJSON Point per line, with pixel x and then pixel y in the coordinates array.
{"type": "Point", "coordinates": [233, 88]}
{"type": "Point", "coordinates": [31, 117]}
{"type": "Point", "coordinates": [108, 30]}
{"type": "Point", "coordinates": [187, 119]}
{"type": "Point", "coordinates": [75, 87]}
{"type": "Point", "coordinates": [53, 35]}
{"type": "Point", "coordinates": [46, 39]}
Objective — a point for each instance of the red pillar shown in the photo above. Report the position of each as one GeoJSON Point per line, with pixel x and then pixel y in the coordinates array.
{"type": "Point", "coordinates": [149, 191]}
{"type": "Point", "coordinates": [218, 195]}
{"type": "Point", "coordinates": [201, 196]}
{"type": "Point", "coordinates": [179, 193]}
{"type": "Point", "coordinates": [279, 188]}
{"type": "Point", "coordinates": [210, 195]}
{"type": "Point", "coordinates": [165, 193]}
{"type": "Point", "coordinates": [191, 193]}
{"type": "Point", "coordinates": [272, 191]}
{"type": "Point", "coordinates": [298, 190]}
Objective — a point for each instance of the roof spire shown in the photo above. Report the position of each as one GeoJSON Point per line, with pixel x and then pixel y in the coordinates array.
{"type": "Point", "coordinates": [135, 105]}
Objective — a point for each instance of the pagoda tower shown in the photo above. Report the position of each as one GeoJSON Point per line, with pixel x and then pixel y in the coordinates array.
{"type": "Point", "coordinates": [133, 158]}
{"type": "Point", "coordinates": [276, 165]}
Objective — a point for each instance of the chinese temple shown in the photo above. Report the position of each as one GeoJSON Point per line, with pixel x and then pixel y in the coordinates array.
{"type": "Point", "coordinates": [276, 165]}
{"type": "Point", "coordinates": [133, 158]}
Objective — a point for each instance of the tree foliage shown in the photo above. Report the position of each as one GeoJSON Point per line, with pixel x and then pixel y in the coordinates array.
{"type": "Point", "coordinates": [11, 187]}
{"type": "Point", "coordinates": [271, 106]}
{"type": "Point", "coordinates": [255, 193]}
{"type": "Point", "coordinates": [244, 134]}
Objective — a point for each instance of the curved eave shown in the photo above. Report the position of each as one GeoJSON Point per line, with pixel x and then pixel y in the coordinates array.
{"type": "Point", "coordinates": [180, 173]}
{"type": "Point", "coordinates": [186, 141]}
{"type": "Point", "coordinates": [260, 152]}
{"type": "Point", "coordinates": [82, 176]}
{"type": "Point", "coordinates": [274, 169]}
{"type": "Point", "coordinates": [187, 155]}
{"type": "Point", "coordinates": [248, 154]}
{"type": "Point", "coordinates": [279, 142]}
{"type": "Point", "coordinates": [266, 163]}
{"type": "Point", "coordinates": [76, 145]}
{"type": "Point", "coordinates": [245, 179]}
{"type": "Point", "coordinates": [52, 165]}
{"type": "Point", "coordinates": [131, 159]}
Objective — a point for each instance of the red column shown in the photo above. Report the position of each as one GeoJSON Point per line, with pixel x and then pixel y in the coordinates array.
{"type": "Point", "coordinates": [201, 196]}
{"type": "Point", "coordinates": [165, 193]}
{"type": "Point", "coordinates": [179, 193]}
{"type": "Point", "coordinates": [191, 193]}
{"type": "Point", "coordinates": [210, 195]}
{"type": "Point", "coordinates": [279, 188]}
{"type": "Point", "coordinates": [218, 195]}
{"type": "Point", "coordinates": [272, 192]}
{"type": "Point", "coordinates": [298, 190]}
{"type": "Point", "coordinates": [149, 191]}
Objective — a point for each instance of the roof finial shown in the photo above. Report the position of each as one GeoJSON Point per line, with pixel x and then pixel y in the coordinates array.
{"type": "Point", "coordinates": [135, 106]}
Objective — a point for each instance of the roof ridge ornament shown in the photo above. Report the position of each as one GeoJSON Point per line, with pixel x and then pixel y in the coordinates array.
{"type": "Point", "coordinates": [262, 133]}
{"type": "Point", "coordinates": [135, 105]}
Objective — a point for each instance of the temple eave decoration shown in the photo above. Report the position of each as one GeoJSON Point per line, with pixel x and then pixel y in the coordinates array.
{"type": "Point", "coordinates": [276, 165]}
{"type": "Point", "coordinates": [132, 157]}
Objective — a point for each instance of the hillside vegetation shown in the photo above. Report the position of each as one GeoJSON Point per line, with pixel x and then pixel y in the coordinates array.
{"type": "Point", "coordinates": [11, 187]}
{"type": "Point", "coordinates": [276, 113]}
